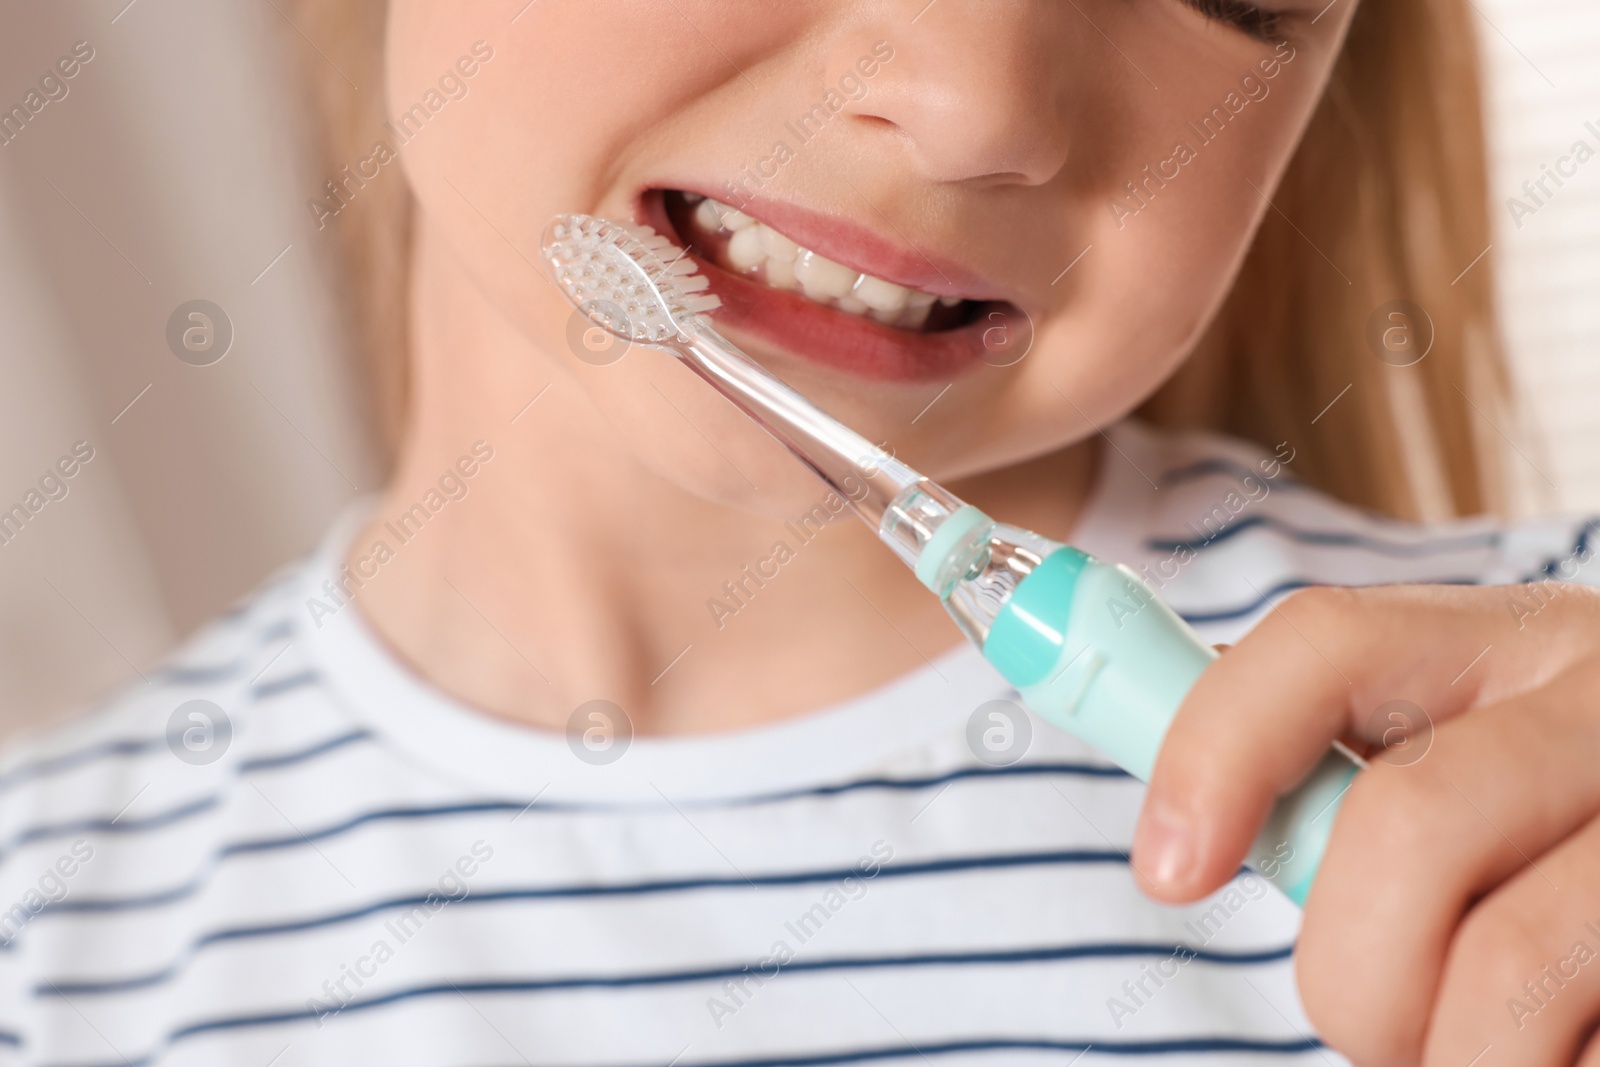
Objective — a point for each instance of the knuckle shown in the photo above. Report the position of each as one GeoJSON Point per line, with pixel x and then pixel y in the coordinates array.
{"type": "Point", "coordinates": [1320, 602]}
{"type": "Point", "coordinates": [1498, 944]}
{"type": "Point", "coordinates": [1397, 810]}
{"type": "Point", "coordinates": [1319, 613]}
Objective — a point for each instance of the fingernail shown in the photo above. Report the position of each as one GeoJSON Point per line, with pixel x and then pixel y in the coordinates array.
{"type": "Point", "coordinates": [1165, 845]}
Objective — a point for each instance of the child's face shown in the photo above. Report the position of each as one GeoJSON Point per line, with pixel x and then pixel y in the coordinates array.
{"type": "Point", "coordinates": [1085, 177]}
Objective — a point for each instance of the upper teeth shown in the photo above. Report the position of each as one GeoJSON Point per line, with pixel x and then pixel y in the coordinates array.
{"type": "Point", "coordinates": [753, 246]}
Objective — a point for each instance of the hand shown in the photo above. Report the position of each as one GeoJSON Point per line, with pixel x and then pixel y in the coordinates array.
{"type": "Point", "coordinates": [1453, 909]}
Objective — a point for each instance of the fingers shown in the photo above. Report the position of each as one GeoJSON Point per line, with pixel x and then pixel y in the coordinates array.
{"type": "Point", "coordinates": [1315, 669]}
{"type": "Point", "coordinates": [1416, 846]}
{"type": "Point", "coordinates": [1523, 975]}
{"type": "Point", "coordinates": [1262, 715]}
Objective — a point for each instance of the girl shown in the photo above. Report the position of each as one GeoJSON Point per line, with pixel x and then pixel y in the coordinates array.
{"type": "Point", "coordinates": [595, 740]}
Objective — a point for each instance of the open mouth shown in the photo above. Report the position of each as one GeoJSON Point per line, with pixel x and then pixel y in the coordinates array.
{"type": "Point", "coordinates": [809, 303]}
{"type": "Point", "coordinates": [740, 244]}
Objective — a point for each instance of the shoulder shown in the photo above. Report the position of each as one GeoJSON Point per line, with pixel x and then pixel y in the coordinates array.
{"type": "Point", "coordinates": [157, 767]}
{"type": "Point", "coordinates": [1224, 528]}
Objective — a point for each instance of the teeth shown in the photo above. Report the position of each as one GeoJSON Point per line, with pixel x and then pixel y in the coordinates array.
{"type": "Point", "coordinates": [782, 264]}
{"type": "Point", "coordinates": [745, 251]}
{"type": "Point", "coordinates": [707, 217]}
{"type": "Point", "coordinates": [780, 274]}
{"type": "Point", "coordinates": [822, 278]}
{"type": "Point", "coordinates": [776, 245]}
{"type": "Point", "coordinates": [880, 295]}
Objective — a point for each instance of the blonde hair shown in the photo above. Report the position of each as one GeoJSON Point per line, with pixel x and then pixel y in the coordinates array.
{"type": "Point", "coordinates": [1386, 199]}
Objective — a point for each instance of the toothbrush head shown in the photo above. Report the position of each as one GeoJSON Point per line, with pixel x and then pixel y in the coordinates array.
{"type": "Point", "coordinates": [627, 279]}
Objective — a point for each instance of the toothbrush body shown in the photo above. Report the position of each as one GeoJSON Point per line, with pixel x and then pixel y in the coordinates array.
{"type": "Point", "coordinates": [1088, 644]}
{"type": "Point", "coordinates": [1093, 651]}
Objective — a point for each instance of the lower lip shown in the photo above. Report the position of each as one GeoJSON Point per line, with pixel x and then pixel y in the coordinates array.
{"type": "Point", "coordinates": [839, 340]}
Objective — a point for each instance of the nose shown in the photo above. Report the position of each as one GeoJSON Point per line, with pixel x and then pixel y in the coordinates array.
{"type": "Point", "coordinates": [977, 91]}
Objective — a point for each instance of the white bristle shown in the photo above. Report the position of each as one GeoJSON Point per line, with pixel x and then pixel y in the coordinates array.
{"type": "Point", "coordinates": [629, 279]}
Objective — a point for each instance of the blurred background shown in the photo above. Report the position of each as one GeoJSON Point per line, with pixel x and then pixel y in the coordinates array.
{"type": "Point", "coordinates": [173, 170]}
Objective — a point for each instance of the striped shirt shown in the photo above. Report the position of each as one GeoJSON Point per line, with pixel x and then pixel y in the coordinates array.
{"type": "Point", "coordinates": [288, 850]}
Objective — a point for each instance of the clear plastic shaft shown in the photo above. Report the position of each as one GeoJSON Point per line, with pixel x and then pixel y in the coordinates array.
{"type": "Point", "coordinates": [903, 506]}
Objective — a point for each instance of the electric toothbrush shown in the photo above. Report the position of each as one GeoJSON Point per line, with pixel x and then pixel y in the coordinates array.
{"type": "Point", "coordinates": [1088, 644]}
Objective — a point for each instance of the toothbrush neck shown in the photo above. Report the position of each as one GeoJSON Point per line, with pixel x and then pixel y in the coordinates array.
{"type": "Point", "coordinates": [867, 477]}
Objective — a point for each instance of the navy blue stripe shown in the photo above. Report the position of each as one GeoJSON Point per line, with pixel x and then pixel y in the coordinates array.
{"type": "Point", "coordinates": [9, 1038]}
{"type": "Point", "coordinates": [951, 865]}
{"type": "Point", "coordinates": [1581, 550]}
{"type": "Point", "coordinates": [211, 674]}
{"type": "Point", "coordinates": [1329, 538]}
{"type": "Point", "coordinates": [1084, 770]}
{"type": "Point", "coordinates": [295, 840]}
{"type": "Point", "coordinates": [113, 825]}
{"type": "Point", "coordinates": [287, 841]}
{"type": "Point", "coordinates": [1015, 770]}
{"type": "Point", "coordinates": [1277, 592]}
{"type": "Point", "coordinates": [188, 810]}
{"type": "Point", "coordinates": [1168, 1047]}
{"type": "Point", "coordinates": [203, 674]}
{"type": "Point", "coordinates": [905, 1050]}
{"type": "Point", "coordinates": [1049, 954]}
{"type": "Point", "coordinates": [277, 631]}
{"type": "Point", "coordinates": [69, 760]}
{"type": "Point", "coordinates": [176, 675]}
{"type": "Point", "coordinates": [671, 885]}
{"type": "Point", "coordinates": [289, 759]}
{"type": "Point", "coordinates": [1193, 472]}
{"type": "Point", "coordinates": [279, 686]}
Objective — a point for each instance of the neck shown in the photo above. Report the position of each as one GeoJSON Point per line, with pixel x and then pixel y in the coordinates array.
{"type": "Point", "coordinates": [525, 588]}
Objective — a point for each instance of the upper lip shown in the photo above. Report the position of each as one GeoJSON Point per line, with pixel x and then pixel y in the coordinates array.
{"type": "Point", "coordinates": [867, 252]}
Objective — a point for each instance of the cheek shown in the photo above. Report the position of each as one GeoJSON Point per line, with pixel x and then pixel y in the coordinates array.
{"type": "Point", "coordinates": [1164, 243]}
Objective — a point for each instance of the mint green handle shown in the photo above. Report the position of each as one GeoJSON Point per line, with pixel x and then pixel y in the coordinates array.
{"type": "Point", "coordinates": [1094, 651]}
